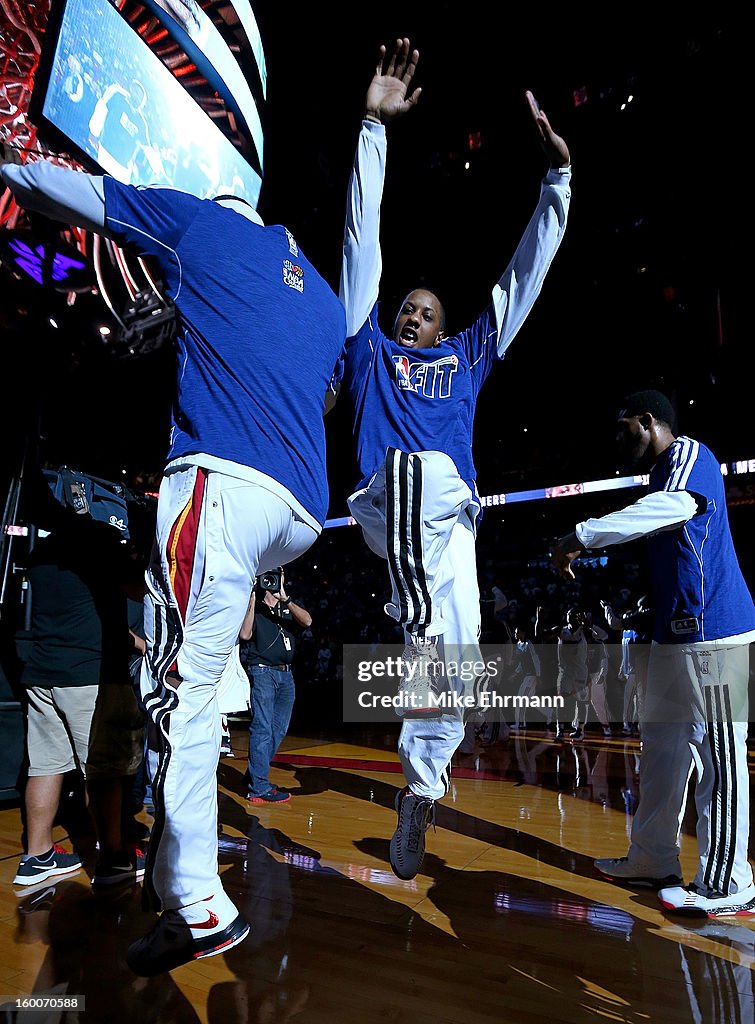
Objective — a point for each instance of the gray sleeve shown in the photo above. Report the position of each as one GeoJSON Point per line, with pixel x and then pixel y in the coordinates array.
{"type": "Point", "coordinates": [72, 197]}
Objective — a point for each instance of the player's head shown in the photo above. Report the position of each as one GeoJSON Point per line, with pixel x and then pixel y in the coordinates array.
{"type": "Point", "coordinates": [646, 426]}
{"type": "Point", "coordinates": [574, 617]}
{"type": "Point", "coordinates": [137, 94]}
{"type": "Point", "coordinates": [421, 320]}
{"type": "Point", "coordinates": [241, 206]}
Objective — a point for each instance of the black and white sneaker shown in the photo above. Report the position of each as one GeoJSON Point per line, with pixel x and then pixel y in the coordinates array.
{"type": "Point", "coordinates": [35, 900]}
{"type": "Point", "coordinates": [415, 815]}
{"type": "Point", "coordinates": [175, 940]}
{"type": "Point", "coordinates": [56, 861]}
{"type": "Point", "coordinates": [114, 868]}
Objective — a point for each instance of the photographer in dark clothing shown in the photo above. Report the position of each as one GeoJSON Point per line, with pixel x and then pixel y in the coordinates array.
{"type": "Point", "coordinates": [81, 708]}
{"type": "Point", "coordinates": [267, 652]}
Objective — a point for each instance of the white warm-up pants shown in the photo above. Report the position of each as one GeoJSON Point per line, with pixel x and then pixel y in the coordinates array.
{"type": "Point", "coordinates": [214, 535]}
{"type": "Point", "coordinates": [419, 515]}
{"type": "Point", "coordinates": [695, 718]}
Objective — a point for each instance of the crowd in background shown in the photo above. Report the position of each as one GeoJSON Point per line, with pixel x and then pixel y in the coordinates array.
{"type": "Point", "coordinates": [344, 586]}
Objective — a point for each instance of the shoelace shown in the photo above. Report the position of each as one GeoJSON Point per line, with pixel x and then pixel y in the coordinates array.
{"type": "Point", "coordinates": [704, 891]}
{"type": "Point", "coordinates": [429, 671]}
{"type": "Point", "coordinates": [421, 817]}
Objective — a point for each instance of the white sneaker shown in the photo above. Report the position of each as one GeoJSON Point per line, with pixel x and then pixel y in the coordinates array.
{"type": "Point", "coordinates": [692, 898]}
{"type": "Point", "coordinates": [422, 681]}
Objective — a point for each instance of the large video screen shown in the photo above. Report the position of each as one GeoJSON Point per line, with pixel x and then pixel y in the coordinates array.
{"type": "Point", "coordinates": [203, 44]}
{"type": "Point", "coordinates": [121, 107]}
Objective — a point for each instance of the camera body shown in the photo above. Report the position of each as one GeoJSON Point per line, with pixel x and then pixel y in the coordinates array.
{"type": "Point", "coordinates": [271, 580]}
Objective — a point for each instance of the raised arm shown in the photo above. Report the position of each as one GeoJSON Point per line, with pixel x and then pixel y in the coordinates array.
{"type": "Point", "coordinates": [72, 197]}
{"type": "Point", "coordinates": [387, 97]}
{"type": "Point", "coordinates": [521, 282]}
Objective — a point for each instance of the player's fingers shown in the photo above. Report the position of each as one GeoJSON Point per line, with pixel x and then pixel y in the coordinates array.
{"type": "Point", "coordinates": [412, 100]}
{"type": "Point", "coordinates": [402, 58]}
{"type": "Point", "coordinates": [532, 103]}
{"type": "Point", "coordinates": [411, 67]}
{"type": "Point", "coordinates": [381, 59]}
{"type": "Point", "coordinates": [391, 69]}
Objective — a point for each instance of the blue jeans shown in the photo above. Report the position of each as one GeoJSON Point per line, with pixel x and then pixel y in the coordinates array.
{"type": "Point", "coordinates": [272, 703]}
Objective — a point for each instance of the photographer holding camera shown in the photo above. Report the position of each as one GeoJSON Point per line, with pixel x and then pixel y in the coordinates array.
{"type": "Point", "coordinates": [267, 653]}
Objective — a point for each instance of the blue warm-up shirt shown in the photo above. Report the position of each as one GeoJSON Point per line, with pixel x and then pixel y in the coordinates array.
{"type": "Point", "coordinates": [700, 592]}
{"type": "Point", "coordinates": [259, 334]}
{"type": "Point", "coordinates": [424, 399]}
{"type": "Point", "coordinates": [417, 399]}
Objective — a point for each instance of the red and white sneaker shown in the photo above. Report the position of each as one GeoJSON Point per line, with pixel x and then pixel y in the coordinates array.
{"type": "Point", "coordinates": [206, 928]}
{"type": "Point", "coordinates": [693, 899]}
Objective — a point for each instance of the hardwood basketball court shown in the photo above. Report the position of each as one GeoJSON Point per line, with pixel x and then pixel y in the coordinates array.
{"type": "Point", "coordinates": [508, 920]}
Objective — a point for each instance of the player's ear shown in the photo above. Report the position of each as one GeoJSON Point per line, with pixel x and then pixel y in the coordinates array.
{"type": "Point", "coordinates": [439, 338]}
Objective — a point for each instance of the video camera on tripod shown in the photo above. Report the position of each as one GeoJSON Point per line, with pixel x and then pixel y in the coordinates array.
{"type": "Point", "coordinates": [89, 495]}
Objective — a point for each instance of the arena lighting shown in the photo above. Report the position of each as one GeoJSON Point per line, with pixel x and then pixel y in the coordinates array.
{"type": "Point", "coordinates": [148, 323]}
{"type": "Point", "coordinates": [740, 468]}
{"type": "Point", "coordinates": [567, 490]}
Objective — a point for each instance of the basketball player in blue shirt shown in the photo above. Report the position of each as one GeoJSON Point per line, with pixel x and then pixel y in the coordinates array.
{"type": "Point", "coordinates": [244, 491]}
{"type": "Point", "coordinates": [412, 396]}
{"type": "Point", "coordinates": [695, 707]}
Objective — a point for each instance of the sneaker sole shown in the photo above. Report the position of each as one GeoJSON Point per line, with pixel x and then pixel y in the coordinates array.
{"type": "Point", "coordinates": [228, 944]}
{"type": "Point", "coordinates": [703, 912]}
{"type": "Point", "coordinates": [147, 969]}
{"type": "Point", "coordinates": [642, 882]}
{"type": "Point", "coordinates": [50, 873]}
{"type": "Point", "coordinates": [126, 876]}
{"type": "Point", "coordinates": [258, 800]}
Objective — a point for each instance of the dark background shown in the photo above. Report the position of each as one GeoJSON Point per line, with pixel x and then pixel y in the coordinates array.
{"type": "Point", "coordinates": [647, 289]}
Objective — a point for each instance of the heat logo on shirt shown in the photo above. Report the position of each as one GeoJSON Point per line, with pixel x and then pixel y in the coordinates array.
{"type": "Point", "coordinates": [433, 380]}
{"type": "Point", "coordinates": [293, 275]}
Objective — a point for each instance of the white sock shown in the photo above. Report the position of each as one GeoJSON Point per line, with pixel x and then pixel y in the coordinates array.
{"type": "Point", "coordinates": [218, 905]}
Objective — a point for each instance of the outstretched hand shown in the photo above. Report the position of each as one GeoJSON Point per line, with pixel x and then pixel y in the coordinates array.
{"type": "Point", "coordinates": [565, 551]}
{"type": "Point", "coordinates": [388, 93]}
{"type": "Point", "coordinates": [553, 145]}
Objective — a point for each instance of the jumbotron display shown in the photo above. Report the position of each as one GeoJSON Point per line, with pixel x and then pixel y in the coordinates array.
{"type": "Point", "coordinates": [122, 109]}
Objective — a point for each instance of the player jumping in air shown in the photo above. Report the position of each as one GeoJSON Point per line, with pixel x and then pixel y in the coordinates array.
{"type": "Point", "coordinates": [413, 397]}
